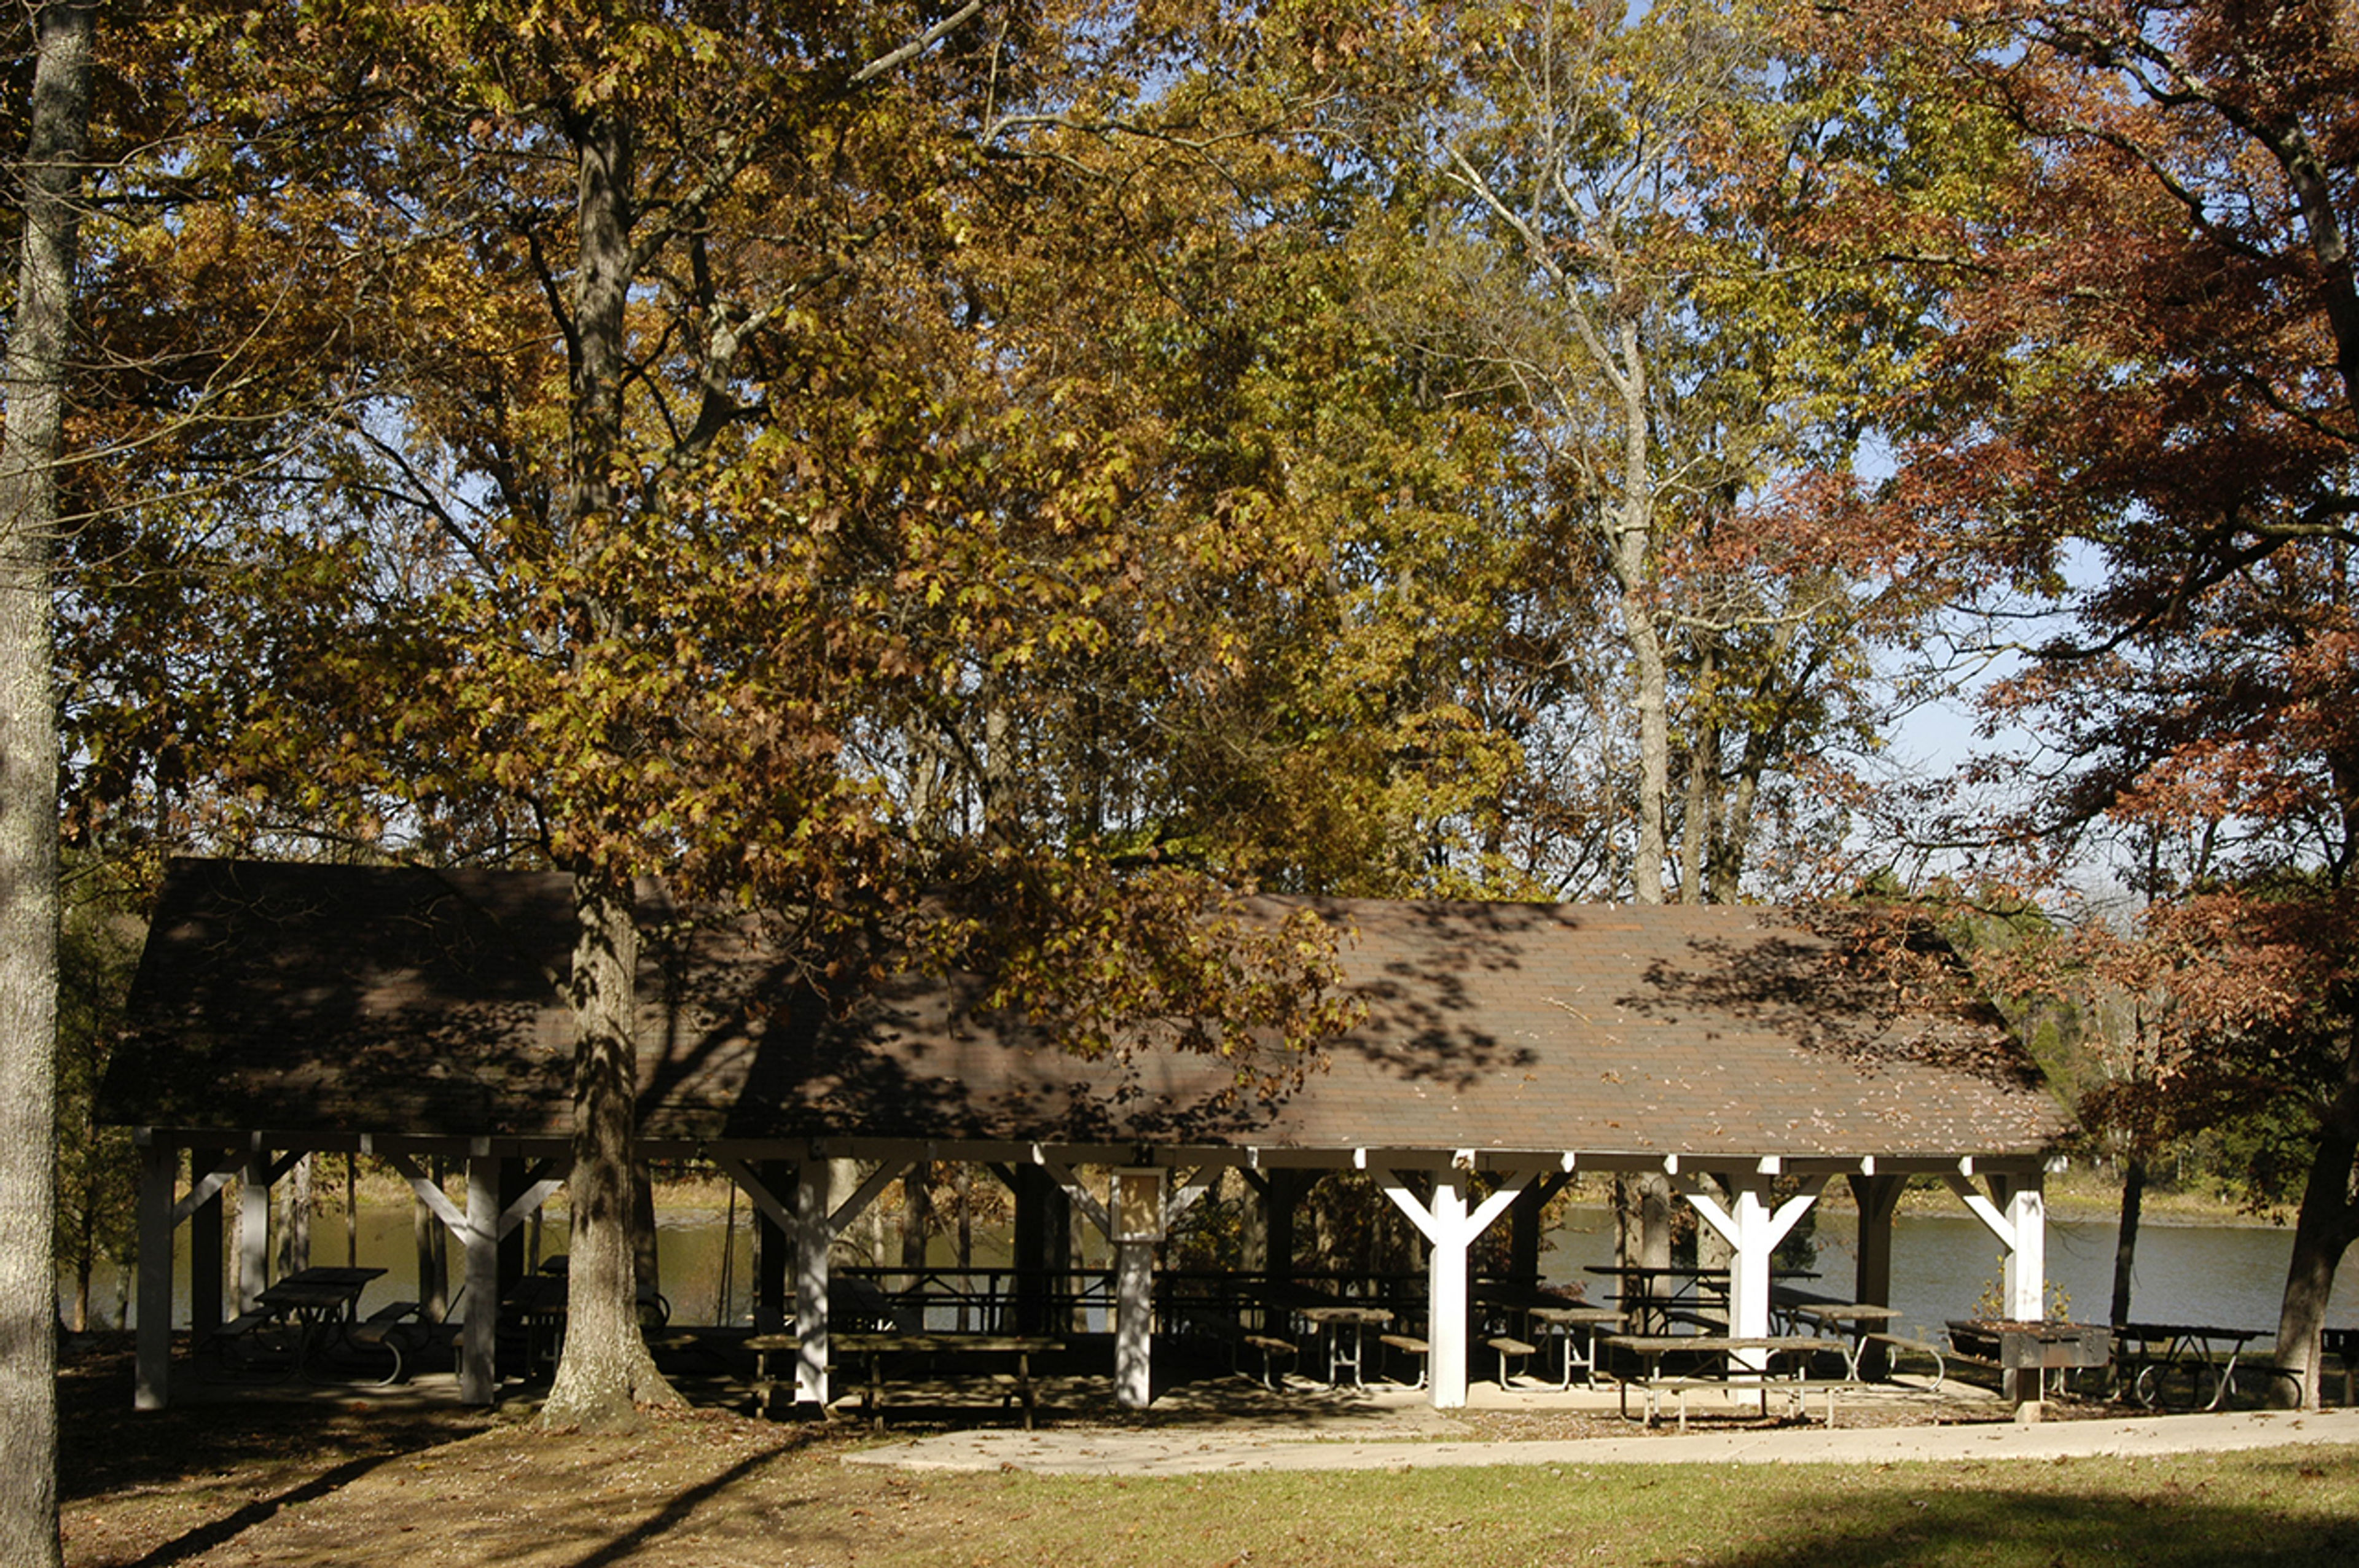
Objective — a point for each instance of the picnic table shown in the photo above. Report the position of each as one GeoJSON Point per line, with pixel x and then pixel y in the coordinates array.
{"type": "Point", "coordinates": [1328, 1320]}
{"type": "Point", "coordinates": [1570, 1324]}
{"type": "Point", "coordinates": [1719, 1351]}
{"type": "Point", "coordinates": [538, 1303]}
{"type": "Point", "coordinates": [1019, 1348]}
{"type": "Point", "coordinates": [315, 1305]}
{"type": "Point", "coordinates": [1540, 1314]}
{"type": "Point", "coordinates": [2169, 1363]}
{"type": "Point", "coordinates": [1654, 1296]}
{"type": "Point", "coordinates": [1851, 1323]}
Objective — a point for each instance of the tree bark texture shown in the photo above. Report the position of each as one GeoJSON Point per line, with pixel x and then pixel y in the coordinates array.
{"type": "Point", "coordinates": [2126, 1235]}
{"type": "Point", "coordinates": [605, 1372]}
{"type": "Point", "coordinates": [1631, 552]}
{"type": "Point", "coordinates": [50, 190]}
{"type": "Point", "coordinates": [2323, 1231]}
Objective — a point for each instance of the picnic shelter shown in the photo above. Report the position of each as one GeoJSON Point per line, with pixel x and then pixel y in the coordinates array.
{"type": "Point", "coordinates": [417, 1015]}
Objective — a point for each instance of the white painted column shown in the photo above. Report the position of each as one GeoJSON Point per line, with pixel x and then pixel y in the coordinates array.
{"type": "Point", "coordinates": [2025, 1275]}
{"type": "Point", "coordinates": [813, 1238]}
{"type": "Point", "coordinates": [1448, 1334]}
{"type": "Point", "coordinates": [159, 1174]}
{"type": "Point", "coordinates": [812, 1228]}
{"type": "Point", "coordinates": [2017, 1212]}
{"type": "Point", "coordinates": [2021, 1227]}
{"type": "Point", "coordinates": [1449, 1227]}
{"type": "Point", "coordinates": [1140, 1208]}
{"type": "Point", "coordinates": [254, 1230]}
{"type": "Point", "coordinates": [1134, 1324]}
{"type": "Point", "coordinates": [478, 1381]}
{"type": "Point", "coordinates": [1753, 1230]}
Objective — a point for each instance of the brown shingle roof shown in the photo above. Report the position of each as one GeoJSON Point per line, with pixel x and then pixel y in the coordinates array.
{"type": "Point", "coordinates": [315, 999]}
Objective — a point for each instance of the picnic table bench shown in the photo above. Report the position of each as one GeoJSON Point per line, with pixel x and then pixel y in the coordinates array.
{"type": "Point", "coordinates": [2170, 1364]}
{"type": "Point", "coordinates": [1240, 1339]}
{"type": "Point", "coordinates": [1849, 1322]}
{"type": "Point", "coordinates": [1719, 1350]}
{"type": "Point", "coordinates": [875, 1346]}
{"type": "Point", "coordinates": [1017, 1347]}
{"type": "Point", "coordinates": [310, 1312]}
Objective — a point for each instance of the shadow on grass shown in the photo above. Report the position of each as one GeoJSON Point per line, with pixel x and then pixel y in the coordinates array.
{"type": "Point", "coordinates": [675, 1513]}
{"type": "Point", "coordinates": [230, 1526]}
{"type": "Point", "coordinates": [2289, 1512]}
{"type": "Point", "coordinates": [106, 1446]}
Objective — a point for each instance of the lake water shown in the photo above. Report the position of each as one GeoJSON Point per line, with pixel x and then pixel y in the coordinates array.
{"type": "Point", "coordinates": [2229, 1275]}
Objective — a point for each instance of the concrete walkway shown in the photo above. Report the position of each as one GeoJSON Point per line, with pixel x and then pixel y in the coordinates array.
{"type": "Point", "coordinates": [1107, 1451]}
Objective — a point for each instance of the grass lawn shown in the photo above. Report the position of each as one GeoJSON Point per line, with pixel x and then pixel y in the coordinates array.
{"type": "Point", "coordinates": [348, 1484]}
{"type": "Point", "coordinates": [2298, 1507]}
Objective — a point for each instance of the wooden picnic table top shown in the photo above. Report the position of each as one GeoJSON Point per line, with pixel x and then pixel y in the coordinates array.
{"type": "Point", "coordinates": [1578, 1314]}
{"type": "Point", "coordinates": [865, 1342]}
{"type": "Point", "coordinates": [1347, 1314]}
{"type": "Point", "coordinates": [316, 1290]}
{"type": "Point", "coordinates": [1656, 1345]}
{"type": "Point", "coordinates": [2186, 1331]}
{"type": "Point", "coordinates": [1644, 1271]}
{"type": "Point", "coordinates": [1862, 1313]}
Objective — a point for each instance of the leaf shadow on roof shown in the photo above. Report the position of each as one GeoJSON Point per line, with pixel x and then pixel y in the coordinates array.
{"type": "Point", "coordinates": [1424, 974]}
{"type": "Point", "coordinates": [1878, 989]}
{"type": "Point", "coordinates": [754, 1047]}
{"type": "Point", "coordinates": [306, 996]}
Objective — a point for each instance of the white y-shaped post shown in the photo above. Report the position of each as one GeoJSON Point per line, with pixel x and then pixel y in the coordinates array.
{"type": "Point", "coordinates": [814, 1227]}
{"type": "Point", "coordinates": [1752, 1229]}
{"type": "Point", "coordinates": [1449, 1227]}
{"type": "Point", "coordinates": [480, 1227]}
{"type": "Point", "coordinates": [2017, 1212]}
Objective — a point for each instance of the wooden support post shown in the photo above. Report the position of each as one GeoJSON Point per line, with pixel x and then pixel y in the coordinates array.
{"type": "Point", "coordinates": [478, 1362]}
{"type": "Point", "coordinates": [159, 1175]}
{"type": "Point", "coordinates": [1450, 1225]}
{"type": "Point", "coordinates": [1134, 1324]}
{"type": "Point", "coordinates": [254, 1230]}
{"type": "Point", "coordinates": [1752, 1229]}
{"type": "Point", "coordinates": [512, 1181]}
{"type": "Point", "coordinates": [774, 1251]}
{"type": "Point", "coordinates": [1043, 1231]}
{"type": "Point", "coordinates": [2026, 1260]}
{"type": "Point", "coordinates": [205, 1246]}
{"type": "Point", "coordinates": [2017, 1212]}
{"type": "Point", "coordinates": [812, 1236]}
{"type": "Point", "coordinates": [1280, 1203]}
{"type": "Point", "coordinates": [1447, 1331]}
{"type": "Point", "coordinates": [1878, 1198]}
{"type": "Point", "coordinates": [1524, 1218]}
{"type": "Point", "coordinates": [429, 1236]}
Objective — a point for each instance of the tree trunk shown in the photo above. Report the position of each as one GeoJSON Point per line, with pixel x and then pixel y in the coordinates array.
{"type": "Point", "coordinates": [2322, 1232]}
{"type": "Point", "coordinates": [1631, 552]}
{"type": "Point", "coordinates": [2125, 1236]}
{"type": "Point", "coordinates": [36, 371]}
{"type": "Point", "coordinates": [605, 1372]}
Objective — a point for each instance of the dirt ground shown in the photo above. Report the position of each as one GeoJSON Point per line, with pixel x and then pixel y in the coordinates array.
{"type": "Point", "coordinates": [303, 1476]}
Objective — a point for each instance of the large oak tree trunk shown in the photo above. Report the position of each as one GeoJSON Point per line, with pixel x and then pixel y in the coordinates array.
{"type": "Point", "coordinates": [2126, 1235]}
{"type": "Point", "coordinates": [606, 1371]}
{"type": "Point", "coordinates": [51, 187]}
{"type": "Point", "coordinates": [2322, 1232]}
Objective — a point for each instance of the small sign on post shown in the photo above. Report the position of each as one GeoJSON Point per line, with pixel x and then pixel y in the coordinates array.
{"type": "Point", "coordinates": [1138, 1194]}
